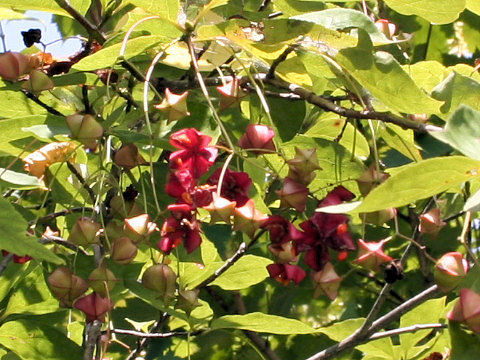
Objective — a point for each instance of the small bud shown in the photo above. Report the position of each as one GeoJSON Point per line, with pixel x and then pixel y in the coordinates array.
{"type": "Point", "coordinates": [220, 209]}
{"type": "Point", "coordinates": [258, 139]}
{"type": "Point", "coordinates": [284, 253]}
{"type": "Point", "coordinates": [13, 65]}
{"type": "Point", "coordinates": [467, 310]}
{"type": "Point", "coordinates": [139, 228]}
{"type": "Point", "coordinates": [370, 179]}
{"type": "Point", "coordinates": [285, 273]}
{"type": "Point", "coordinates": [102, 280]}
{"type": "Point", "coordinates": [122, 209]}
{"type": "Point", "coordinates": [84, 232]}
{"type": "Point", "coordinates": [123, 250]}
{"type": "Point", "coordinates": [161, 279]}
{"type": "Point", "coordinates": [326, 282]}
{"type": "Point", "coordinates": [66, 286]}
{"type": "Point", "coordinates": [293, 194]}
{"type": "Point", "coordinates": [386, 27]}
{"type": "Point", "coordinates": [380, 217]}
{"type": "Point", "coordinates": [37, 82]}
{"type": "Point", "coordinates": [431, 222]}
{"type": "Point", "coordinates": [174, 106]}
{"type": "Point", "coordinates": [230, 94]}
{"type": "Point", "coordinates": [128, 157]}
{"type": "Point", "coordinates": [302, 167]}
{"type": "Point", "coordinates": [248, 219]}
{"type": "Point", "coordinates": [94, 306]}
{"type": "Point", "coordinates": [85, 129]}
{"type": "Point", "coordinates": [450, 270]}
{"type": "Point", "coordinates": [370, 255]}
{"type": "Point", "coordinates": [187, 300]}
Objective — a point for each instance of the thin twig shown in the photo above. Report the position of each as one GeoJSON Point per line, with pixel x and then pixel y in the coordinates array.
{"type": "Point", "coordinates": [463, 237]}
{"type": "Point", "coordinates": [144, 342]}
{"type": "Point", "coordinates": [279, 60]}
{"type": "Point", "coordinates": [36, 100]}
{"type": "Point", "coordinates": [92, 30]}
{"type": "Point", "coordinates": [407, 329]}
{"type": "Point", "coordinates": [323, 102]}
{"type": "Point", "coordinates": [359, 338]}
{"type": "Point", "coordinates": [82, 181]}
{"type": "Point", "coordinates": [232, 260]}
{"type": "Point", "coordinates": [65, 212]}
{"type": "Point", "coordinates": [150, 335]}
{"type": "Point", "coordinates": [47, 239]}
{"type": "Point", "coordinates": [4, 263]}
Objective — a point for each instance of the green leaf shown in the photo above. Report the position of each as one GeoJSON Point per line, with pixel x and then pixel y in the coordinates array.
{"type": "Point", "coordinates": [456, 90]}
{"type": "Point", "coordinates": [13, 237]}
{"type": "Point", "coordinates": [167, 9]}
{"type": "Point", "coordinates": [247, 271]}
{"type": "Point", "coordinates": [23, 105]}
{"type": "Point", "coordinates": [49, 6]}
{"type": "Point", "coordinates": [473, 6]}
{"type": "Point", "coordinates": [16, 180]}
{"type": "Point", "coordinates": [262, 323]}
{"type": "Point", "coordinates": [473, 202]}
{"type": "Point", "coordinates": [435, 11]}
{"type": "Point", "coordinates": [11, 132]}
{"type": "Point", "coordinates": [462, 132]}
{"type": "Point", "coordinates": [331, 127]}
{"type": "Point", "coordinates": [38, 342]}
{"type": "Point", "coordinates": [431, 311]}
{"type": "Point", "coordinates": [31, 296]}
{"type": "Point", "coordinates": [400, 140]}
{"type": "Point", "coordinates": [419, 181]}
{"type": "Point", "coordinates": [107, 56]}
{"type": "Point", "coordinates": [339, 19]}
{"type": "Point", "coordinates": [385, 79]}
{"type": "Point", "coordinates": [465, 346]}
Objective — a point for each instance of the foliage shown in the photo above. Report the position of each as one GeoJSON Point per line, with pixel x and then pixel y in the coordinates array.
{"type": "Point", "coordinates": [242, 180]}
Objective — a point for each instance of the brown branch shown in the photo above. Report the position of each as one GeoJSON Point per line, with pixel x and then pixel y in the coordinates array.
{"type": "Point", "coordinates": [327, 105]}
{"type": "Point", "coordinates": [91, 335]}
{"type": "Point", "coordinates": [298, 92]}
{"type": "Point", "coordinates": [91, 29]}
{"type": "Point", "coordinates": [65, 212]}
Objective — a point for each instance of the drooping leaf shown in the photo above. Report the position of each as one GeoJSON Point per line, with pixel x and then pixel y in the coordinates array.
{"type": "Point", "coordinates": [473, 6]}
{"type": "Point", "coordinates": [13, 237]}
{"type": "Point", "coordinates": [339, 19]}
{"type": "Point", "coordinates": [16, 180]}
{"type": "Point", "coordinates": [419, 181]}
{"type": "Point", "coordinates": [33, 341]}
{"type": "Point", "coordinates": [385, 79]}
{"type": "Point", "coordinates": [435, 11]}
{"type": "Point", "coordinates": [400, 140]}
{"type": "Point", "coordinates": [49, 6]}
{"type": "Point", "coordinates": [462, 132]}
{"type": "Point", "coordinates": [456, 90]}
{"type": "Point", "coordinates": [107, 56]}
{"type": "Point", "coordinates": [167, 9]}
{"type": "Point", "coordinates": [263, 323]}
{"type": "Point", "coordinates": [465, 345]}
{"type": "Point", "coordinates": [246, 272]}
